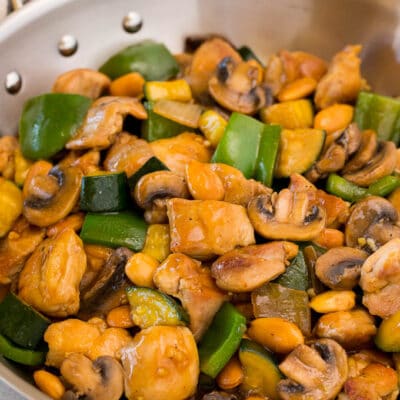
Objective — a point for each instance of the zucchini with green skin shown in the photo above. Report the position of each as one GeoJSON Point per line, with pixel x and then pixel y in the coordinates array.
{"type": "Point", "coordinates": [261, 373]}
{"type": "Point", "coordinates": [104, 193]}
{"type": "Point", "coordinates": [21, 323]}
{"type": "Point", "coordinates": [120, 229]}
{"type": "Point", "coordinates": [296, 274]}
{"type": "Point", "coordinates": [150, 307]}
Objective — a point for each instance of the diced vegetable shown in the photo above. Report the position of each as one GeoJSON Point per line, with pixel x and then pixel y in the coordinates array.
{"type": "Point", "coordinates": [213, 126]}
{"type": "Point", "coordinates": [114, 230]}
{"type": "Point", "coordinates": [221, 340]}
{"type": "Point", "coordinates": [104, 193]}
{"type": "Point", "coordinates": [239, 145]}
{"type": "Point", "coordinates": [299, 149]}
{"type": "Point", "coordinates": [150, 307]}
{"type": "Point", "coordinates": [128, 85]}
{"type": "Point", "coordinates": [384, 186]}
{"type": "Point", "coordinates": [178, 90]}
{"type": "Point", "coordinates": [157, 127]}
{"type": "Point", "coordinates": [10, 205]}
{"type": "Point", "coordinates": [293, 114]}
{"type": "Point", "coordinates": [388, 335]}
{"type": "Point", "coordinates": [296, 274]}
{"type": "Point", "coordinates": [157, 242]}
{"type": "Point", "coordinates": [49, 121]}
{"type": "Point", "coordinates": [21, 323]}
{"type": "Point", "coordinates": [22, 166]}
{"type": "Point", "coordinates": [261, 373]}
{"type": "Point", "coordinates": [186, 114]}
{"type": "Point", "coordinates": [152, 60]}
{"type": "Point", "coordinates": [268, 154]}
{"type": "Point", "coordinates": [380, 113]}
{"type": "Point", "coordinates": [19, 355]}
{"type": "Point", "coordinates": [274, 300]}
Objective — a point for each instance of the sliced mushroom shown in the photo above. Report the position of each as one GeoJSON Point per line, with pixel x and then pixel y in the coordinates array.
{"type": "Point", "coordinates": [373, 221]}
{"type": "Point", "coordinates": [51, 276]}
{"type": "Point", "coordinates": [108, 290]}
{"type": "Point", "coordinates": [380, 280]}
{"type": "Point", "coordinates": [20, 242]}
{"type": "Point", "coordinates": [83, 81]}
{"type": "Point", "coordinates": [186, 279]}
{"type": "Point", "coordinates": [340, 267]}
{"type": "Point", "coordinates": [152, 191]}
{"type": "Point", "coordinates": [104, 121]}
{"type": "Point", "coordinates": [51, 196]}
{"type": "Point", "coordinates": [204, 63]}
{"type": "Point", "coordinates": [381, 164]}
{"type": "Point", "coordinates": [102, 379]}
{"type": "Point", "coordinates": [247, 268]}
{"type": "Point", "coordinates": [317, 371]}
{"type": "Point", "coordinates": [286, 216]}
{"type": "Point", "coordinates": [336, 153]}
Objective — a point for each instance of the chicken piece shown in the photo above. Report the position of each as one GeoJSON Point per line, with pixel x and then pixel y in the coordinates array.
{"type": "Point", "coordinates": [73, 221]}
{"type": "Point", "coordinates": [83, 81]}
{"type": "Point", "coordinates": [8, 146]}
{"type": "Point", "coordinates": [88, 162]}
{"type": "Point", "coordinates": [51, 276]}
{"type": "Point", "coordinates": [247, 268]}
{"type": "Point", "coordinates": [161, 362]}
{"type": "Point", "coordinates": [205, 228]}
{"type": "Point", "coordinates": [380, 280]}
{"type": "Point", "coordinates": [375, 382]}
{"type": "Point", "coordinates": [358, 361]}
{"type": "Point", "coordinates": [177, 151]}
{"type": "Point", "coordinates": [221, 182]}
{"type": "Point", "coordinates": [337, 210]}
{"type": "Point", "coordinates": [128, 154]}
{"type": "Point", "coordinates": [343, 80]}
{"type": "Point", "coordinates": [185, 278]}
{"type": "Point", "coordinates": [20, 242]}
{"type": "Point", "coordinates": [104, 121]}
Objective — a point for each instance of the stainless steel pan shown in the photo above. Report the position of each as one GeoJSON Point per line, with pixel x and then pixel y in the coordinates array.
{"type": "Point", "coordinates": [30, 46]}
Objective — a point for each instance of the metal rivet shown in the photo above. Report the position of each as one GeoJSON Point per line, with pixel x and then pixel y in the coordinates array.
{"type": "Point", "coordinates": [132, 22]}
{"type": "Point", "coordinates": [68, 45]}
{"type": "Point", "coordinates": [13, 82]}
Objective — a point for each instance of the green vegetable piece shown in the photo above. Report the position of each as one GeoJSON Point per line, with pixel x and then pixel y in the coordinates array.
{"type": "Point", "coordinates": [311, 253]}
{"type": "Point", "coordinates": [124, 228]}
{"type": "Point", "coordinates": [384, 186]}
{"type": "Point", "coordinates": [150, 307]}
{"type": "Point", "coordinates": [261, 373]}
{"type": "Point", "coordinates": [104, 193]}
{"type": "Point", "coordinates": [274, 300]}
{"type": "Point", "coordinates": [21, 323]}
{"type": "Point", "coordinates": [388, 335]}
{"type": "Point", "coordinates": [240, 143]}
{"type": "Point", "coordinates": [221, 339]}
{"type": "Point", "coordinates": [267, 154]}
{"type": "Point", "coordinates": [380, 113]}
{"type": "Point", "coordinates": [153, 164]}
{"type": "Point", "coordinates": [157, 127]}
{"type": "Point", "coordinates": [152, 60]}
{"type": "Point", "coordinates": [296, 275]}
{"type": "Point", "coordinates": [343, 188]}
{"type": "Point", "coordinates": [248, 54]}
{"type": "Point", "coordinates": [19, 355]}
{"type": "Point", "coordinates": [49, 121]}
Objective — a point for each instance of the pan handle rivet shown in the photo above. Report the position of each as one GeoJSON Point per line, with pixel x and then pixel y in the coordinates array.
{"type": "Point", "coordinates": [13, 82]}
{"type": "Point", "coordinates": [67, 45]}
{"type": "Point", "coordinates": [132, 22]}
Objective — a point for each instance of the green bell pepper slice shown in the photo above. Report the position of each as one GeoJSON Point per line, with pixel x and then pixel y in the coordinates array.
{"type": "Point", "coordinates": [384, 186]}
{"type": "Point", "coordinates": [49, 121]}
{"type": "Point", "coordinates": [296, 274]}
{"type": "Point", "coordinates": [152, 60]}
{"type": "Point", "coordinates": [125, 229]}
{"type": "Point", "coordinates": [380, 113]}
{"type": "Point", "coordinates": [221, 339]}
{"type": "Point", "coordinates": [240, 143]}
{"type": "Point", "coordinates": [157, 127]}
{"type": "Point", "coordinates": [20, 355]}
{"type": "Point", "coordinates": [268, 154]}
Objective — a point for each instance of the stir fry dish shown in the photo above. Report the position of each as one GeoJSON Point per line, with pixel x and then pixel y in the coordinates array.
{"type": "Point", "coordinates": [204, 226]}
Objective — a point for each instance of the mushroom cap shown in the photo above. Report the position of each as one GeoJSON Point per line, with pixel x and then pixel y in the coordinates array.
{"type": "Point", "coordinates": [340, 267]}
{"type": "Point", "coordinates": [372, 219]}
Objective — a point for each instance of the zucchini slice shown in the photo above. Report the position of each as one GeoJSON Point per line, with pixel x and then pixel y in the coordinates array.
{"type": "Point", "coordinates": [150, 307]}
{"type": "Point", "coordinates": [299, 149]}
{"type": "Point", "coordinates": [261, 373]}
{"type": "Point", "coordinates": [104, 193]}
{"type": "Point", "coordinates": [21, 323]}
